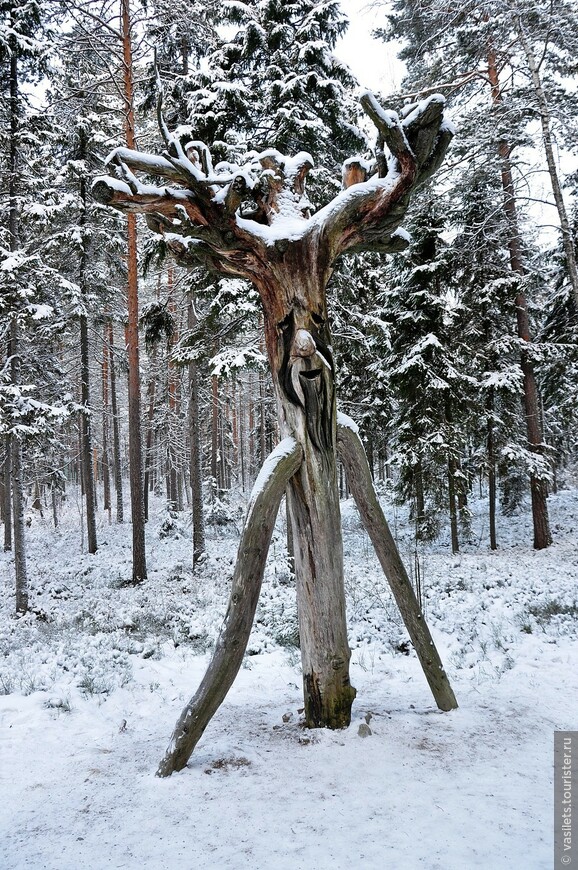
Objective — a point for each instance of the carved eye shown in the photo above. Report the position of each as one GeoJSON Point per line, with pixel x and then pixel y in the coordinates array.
{"type": "Point", "coordinates": [285, 324]}
{"type": "Point", "coordinates": [317, 319]}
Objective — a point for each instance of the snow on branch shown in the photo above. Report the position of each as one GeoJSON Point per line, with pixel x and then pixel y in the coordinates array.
{"type": "Point", "coordinates": [226, 216]}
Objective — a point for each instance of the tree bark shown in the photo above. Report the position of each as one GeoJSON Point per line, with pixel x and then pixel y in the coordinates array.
{"type": "Point", "coordinates": [299, 348]}
{"type": "Point", "coordinates": [151, 390]}
{"type": "Point", "coordinates": [266, 496]}
{"type": "Point", "coordinates": [139, 567]}
{"type": "Point", "coordinates": [215, 433]}
{"type": "Point", "coordinates": [18, 492]}
{"type": "Point", "coordinates": [105, 429]}
{"type": "Point", "coordinates": [8, 491]}
{"type": "Point", "coordinates": [353, 456]}
{"type": "Point", "coordinates": [86, 433]}
{"type": "Point", "coordinates": [538, 485]}
{"type": "Point", "coordinates": [452, 504]}
{"type": "Point", "coordinates": [14, 447]}
{"type": "Point", "coordinates": [115, 429]}
{"type": "Point", "coordinates": [491, 455]}
{"type": "Point", "coordinates": [195, 451]}
{"type": "Point", "coordinates": [419, 499]}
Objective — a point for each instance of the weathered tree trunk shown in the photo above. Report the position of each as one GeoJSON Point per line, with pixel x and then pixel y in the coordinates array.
{"type": "Point", "coordinates": [538, 485]}
{"type": "Point", "coordinates": [353, 455]}
{"type": "Point", "coordinates": [139, 567]}
{"type": "Point", "coordinates": [232, 641]}
{"type": "Point", "coordinates": [195, 451]}
{"type": "Point", "coordinates": [299, 348]}
{"type": "Point", "coordinates": [19, 540]}
{"type": "Point", "coordinates": [115, 429]}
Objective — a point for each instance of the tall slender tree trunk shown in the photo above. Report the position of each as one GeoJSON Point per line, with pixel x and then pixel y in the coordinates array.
{"type": "Point", "coordinates": [86, 428]}
{"type": "Point", "coordinates": [215, 431]}
{"type": "Point", "coordinates": [105, 430]}
{"type": "Point", "coordinates": [453, 504]}
{"type": "Point", "coordinates": [14, 451]}
{"type": "Point", "coordinates": [538, 485]}
{"type": "Point", "coordinates": [115, 429]}
{"type": "Point", "coordinates": [151, 391]}
{"type": "Point", "coordinates": [546, 124]}
{"type": "Point", "coordinates": [139, 568]}
{"type": "Point", "coordinates": [8, 489]}
{"type": "Point", "coordinates": [196, 471]}
{"type": "Point", "coordinates": [491, 457]}
{"type": "Point", "coordinates": [172, 447]}
{"type": "Point", "coordinates": [242, 439]}
{"type": "Point", "coordinates": [419, 498]}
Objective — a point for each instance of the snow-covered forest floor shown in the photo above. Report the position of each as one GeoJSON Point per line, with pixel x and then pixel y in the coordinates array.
{"type": "Point", "coordinates": [93, 681]}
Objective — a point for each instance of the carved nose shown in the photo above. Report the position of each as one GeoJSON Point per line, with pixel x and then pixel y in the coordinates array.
{"type": "Point", "coordinates": [303, 344]}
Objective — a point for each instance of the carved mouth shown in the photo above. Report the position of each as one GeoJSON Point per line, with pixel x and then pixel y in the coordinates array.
{"type": "Point", "coordinates": [310, 374]}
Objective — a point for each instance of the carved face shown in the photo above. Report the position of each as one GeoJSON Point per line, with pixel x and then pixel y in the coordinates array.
{"type": "Point", "coordinates": [307, 373]}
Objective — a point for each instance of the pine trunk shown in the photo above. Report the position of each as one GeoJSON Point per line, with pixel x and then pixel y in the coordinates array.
{"type": "Point", "coordinates": [18, 492]}
{"type": "Point", "coordinates": [491, 458]}
{"type": "Point", "coordinates": [8, 492]}
{"type": "Point", "coordinates": [195, 452]}
{"type": "Point", "coordinates": [453, 504]}
{"type": "Point", "coordinates": [139, 568]}
{"type": "Point", "coordinates": [151, 390]}
{"type": "Point", "coordinates": [14, 451]}
{"type": "Point", "coordinates": [105, 433]}
{"type": "Point", "coordinates": [115, 430]}
{"type": "Point", "coordinates": [86, 433]}
{"type": "Point", "coordinates": [538, 485]}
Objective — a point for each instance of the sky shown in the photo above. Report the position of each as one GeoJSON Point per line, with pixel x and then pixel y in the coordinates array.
{"type": "Point", "coordinates": [372, 61]}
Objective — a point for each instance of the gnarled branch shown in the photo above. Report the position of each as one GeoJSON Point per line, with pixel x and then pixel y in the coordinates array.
{"type": "Point", "coordinates": [368, 213]}
{"type": "Point", "coordinates": [263, 205]}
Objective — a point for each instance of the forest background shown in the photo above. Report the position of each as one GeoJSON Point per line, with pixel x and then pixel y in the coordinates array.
{"type": "Point", "coordinates": [457, 358]}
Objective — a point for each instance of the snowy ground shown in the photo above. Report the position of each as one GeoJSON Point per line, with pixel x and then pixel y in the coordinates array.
{"type": "Point", "coordinates": [92, 685]}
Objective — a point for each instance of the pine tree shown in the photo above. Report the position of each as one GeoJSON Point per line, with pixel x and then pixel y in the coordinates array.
{"type": "Point", "coordinates": [481, 48]}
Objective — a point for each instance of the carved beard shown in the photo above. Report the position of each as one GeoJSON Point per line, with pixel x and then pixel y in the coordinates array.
{"type": "Point", "coordinates": [308, 382]}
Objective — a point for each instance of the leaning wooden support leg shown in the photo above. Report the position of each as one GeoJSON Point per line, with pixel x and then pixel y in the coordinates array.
{"type": "Point", "coordinates": [353, 456]}
{"type": "Point", "coordinates": [266, 496]}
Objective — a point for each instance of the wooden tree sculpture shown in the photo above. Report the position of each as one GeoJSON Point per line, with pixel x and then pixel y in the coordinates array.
{"type": "Point", "coordinates": [254, 221]}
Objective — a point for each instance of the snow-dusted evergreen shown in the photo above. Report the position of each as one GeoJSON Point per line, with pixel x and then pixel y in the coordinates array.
{"type": "Point", "coordinates": [404, 374]}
